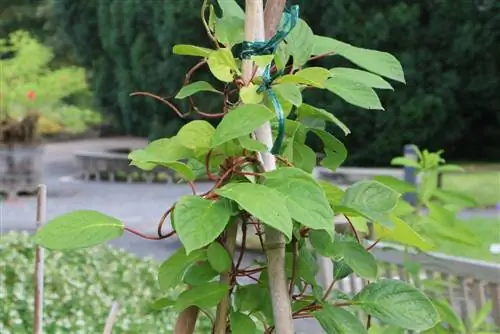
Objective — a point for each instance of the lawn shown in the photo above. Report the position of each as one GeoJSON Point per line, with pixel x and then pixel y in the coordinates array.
{"type": "Point", "coordinates": [480, 181]}
{"type": "Point", "coordinates": [487, 230]}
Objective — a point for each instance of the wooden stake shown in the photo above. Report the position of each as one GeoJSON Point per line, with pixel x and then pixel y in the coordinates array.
{"type": "Point", "coordinates": [275, 240]}
{"type": "Point", "coordinates": [110, 321]}
{"type": "Point", "coordinates": [41, 213]}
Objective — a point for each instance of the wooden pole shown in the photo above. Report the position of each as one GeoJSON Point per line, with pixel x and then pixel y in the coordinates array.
{"type": "Point", "coordinates": [41, 213]}
{"type": "Point", "coordinates": [110, 321]}
{"type": "Point", "coordinates": [274, 240]}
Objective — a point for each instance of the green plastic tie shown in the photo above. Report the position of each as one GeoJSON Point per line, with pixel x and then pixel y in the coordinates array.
{"type": "Point", "coordinates": [249, 49]}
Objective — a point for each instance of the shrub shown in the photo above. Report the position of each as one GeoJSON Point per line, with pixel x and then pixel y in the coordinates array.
{"type": "Point", "coordinates": [79, 289]}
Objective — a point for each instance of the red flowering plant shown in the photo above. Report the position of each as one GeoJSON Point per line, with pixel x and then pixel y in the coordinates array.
{"type": "Point", "coordinates": [32, 93]}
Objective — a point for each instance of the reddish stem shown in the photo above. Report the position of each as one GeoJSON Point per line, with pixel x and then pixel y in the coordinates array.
{"type": "Point", "coordinates": [193, 187]}
{"type": "Point", "coordinates": [369, 248]}
{"type": "Point", "coordinates": [168, 103]}
{"type": "Point", "coordinates": [162, 220]}
{"type": "Point", "coordinates": [353, 229]}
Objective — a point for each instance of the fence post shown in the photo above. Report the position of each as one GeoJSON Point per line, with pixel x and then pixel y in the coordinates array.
{"type": "Point", "coordinates": [410, 173]}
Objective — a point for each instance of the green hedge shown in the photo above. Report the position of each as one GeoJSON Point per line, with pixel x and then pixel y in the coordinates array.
{"type": "Point", "coordinates": [79, 287]}
{"type": "Point", "coordinates": [448, 49]}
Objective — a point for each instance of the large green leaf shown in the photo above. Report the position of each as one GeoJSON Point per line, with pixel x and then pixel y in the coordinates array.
{"type": "Point", "coordinates": [172, 269]}
{"type": "Point", "coordinates": [222, 65]}
{"type": "Point", "coordinates": [162, 150]}
{"type": "Point", "coordinates": [398, 303]}
{"type": "Point", "coordinates": [267, 204]}
{"type": "Point", "coordinates": [203, 296]}
{"type": "Point", "coordinates": [300, 155]}
{"type": "Point", "coordinates": [230, 30]}
{"type": "Point", "coordinates": [78, 229]}
{"type": "Point", "coordinates": [249, 297]}
{"type": "Point", "coordinates": [396, 184]}
{"type": "Point", "coordinates": [335, 320]}
{"type": "Point", "coordinates": [310, 76]}
{"type": "Point", "coordinates": [341, 270]}
{"type": "Point", "coordinates": [147, 160]}
{"type": "Point", "coordinates": [354, 93]}
{"type": "Point", "coordinates": [231, 8]}
{"type": "Point", "coordinates": [362, 77]}
{"type": "Point", "coordinates": [371, 199]}
{"type": "Point", "coordinates": [252, 145]}
{"type": "Point", "coordinates": [403, 233]}
{"type": "Point", "coordinates": [335, 151]}
{"type": "Point", "coordinates": [195, 87]}
{"type": "Point", "coordinates": [333, 193]}
{"type": "Point", "coordinates": [199, 221]}
{"type": "Point", "coordinates": [199, 273]}
{"type": "Point", "coordinates": [289, 92]}
{"type": "Point", "coordinates": [241, 121]}
{"type": "Point", "coordinates": [249, 94]}
{"type": "Point", "coordinates": [219, 258]}
{"type": "Point", "coordinates": [192, 50]}
{"type": "Point", "coordinates": [322, 242]}
{"type": "Point", "coordinates": [382, 63]}
{"type": "Point", "coordinates": [197, 136]}
{"type": "Point", "coordinates": [449, 315]}
{"type": "Point", "coordinates": [300, 43]}
{"type": "Point", "coordinates": [308, 111]}
{"type": "Point", "coordinates": [360, 260]}
{"type": "Point", "coordinates": [305, 198]}
{"type": "Point", "coordinates": [242, 324]}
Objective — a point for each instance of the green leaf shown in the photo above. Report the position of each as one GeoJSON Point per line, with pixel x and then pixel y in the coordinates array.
{"type": "Point", "coordinates": [478, 319]}
{"type": "Point", "coordinates": [322, 242]}
{"type": "Point", "coordinates": [196, 135]}
{"type": "Point", "coordinates": [451, 168]}
{"type": "Point", "coordinates": [455, 197]}
{"type": "Point", "coordinates": [289, 92]}
{"type": "Point", "coordinates": [242, 324]}
{"type": "Point", "coordinates": [249, 95]}
{"type": "Point", "coordinates": [335, 320]}
{"type": "Point", "coordinates": [306, 111]}
{"type": "Point", "coordinates": [362, 77]}
{"type": "Point", "coordinates": [222, 65]}
{"type": "Point", "coordinates": [162, 303]}
{"type": "Point", "coordinates": [399, 185]}
{"type": "Point", "coordinates": [310, 76]}
{"type": "Point", "coordinates": [262, 61]}
{"type": "Point", "coordinates": [300, 155]}
{"type": "Point", "coordinates": [300, 43]}
{"type": "Point", "coordinates": [212, 18]}
{"type": "Point", "coordinates": [341, 270]}
{"type": "Point", "coordinates": [398, 303]}
{"type": "Point", "coordinates": [359, 223]}
{"type": "Point", "coordinates": [428, 186]}
{"type": "Point", "coordinates": [203, 296]}
{"type": "Point", "coordinates": [219, 258]}
{"type": "Point", "coordinates": [241, 121]}
{"type": "Point", "coordinates": [403, 233]}
{"type": "Point", "coordinates": [230, 30]}
{"type": "Point", "coordinates": [360, 260]}
{"type": "Point", "coordinates": [199, 221]}
{"type": "Point", "coordinates": [172, 269]}
{"type": "Point", "coordinates": [354, 93]}
{"type": "Point", "coordinates": [382, 63]}
{"type": "Point", "coordinates": [306, 266]}
{"type": "Point", "coordinates": [231, 8]}
{"type": "Point", "coordinates": [195, 87]}
{"type": "Point", "coordinates": [305, 199]}
{"type": "Point", "coordinates": [162, 150]}
{"type": "Point", "coordinates": [448, 315]}
{"type": "Point", "coordinates": [181, 168]}
{"type": "Point", "coordinates": [402, 161]}
{"type": "Point", "coordinates": [252, 144]}
{"type": "Point", "coordinates": [267, 204]}
{"type": "Point", "coordinates": [281, 56]}
{"type": "Point", "coordinates": [249, 297]}
{"type": "Point", "coordinates": [192, 50]}
{"type": "Point", "coordinates": [403, 208]}
{"type": "Point", "coordinates": [333, 193]}
{"type": "Point", "coordinates": [199, 273]}
{"type": "Point", "coordinates": [335, 151]}
{"type": "Point", "coordinates": [78, 229]}
{"type": "Point", "coordinates": [372, 200]}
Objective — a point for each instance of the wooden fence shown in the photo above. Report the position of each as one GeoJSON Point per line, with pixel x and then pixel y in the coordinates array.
{"type": "Point", "coordinates": [469, 283]}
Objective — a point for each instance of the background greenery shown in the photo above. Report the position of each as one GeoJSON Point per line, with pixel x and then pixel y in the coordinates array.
{"type": "Point", "coordinates": [80, 287]}
{"type": "Point", "coordinates": [447, 49]}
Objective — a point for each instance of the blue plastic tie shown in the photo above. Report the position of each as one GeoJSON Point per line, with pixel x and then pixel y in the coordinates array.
{"type": "Point", "coordinates": [250, 49]}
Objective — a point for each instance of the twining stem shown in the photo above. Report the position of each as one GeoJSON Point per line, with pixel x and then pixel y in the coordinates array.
{"type": "Point", "coordinates": [223, 307]}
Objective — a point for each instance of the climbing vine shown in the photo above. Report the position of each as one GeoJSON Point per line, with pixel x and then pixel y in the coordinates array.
{"type": "Point", "coordinates": [248, 198]}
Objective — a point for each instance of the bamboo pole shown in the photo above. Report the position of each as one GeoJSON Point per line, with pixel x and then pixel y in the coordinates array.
{"type": "Point", "coordinates": [111, 319]}
{"type": "Point", "coordinates": [41, 213]}
{"type": "Point", "coordinates": [274, 240]}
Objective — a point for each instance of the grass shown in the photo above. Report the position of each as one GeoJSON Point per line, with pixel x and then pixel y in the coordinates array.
{"type": "Point", "coordinates": [487, 230]}
{"type": "Point", "coordinates": [479, 181]}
